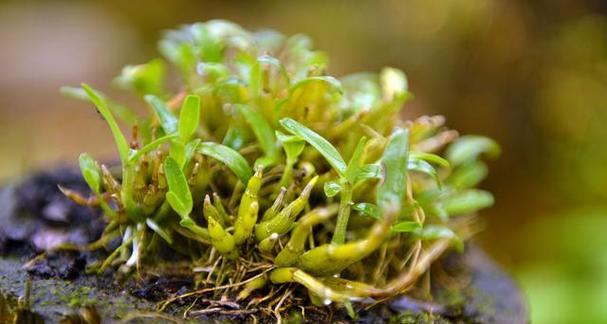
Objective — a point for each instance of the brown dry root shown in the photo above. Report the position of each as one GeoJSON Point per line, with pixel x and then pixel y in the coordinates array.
{"type": "Point", "coordinates": [323, 290]}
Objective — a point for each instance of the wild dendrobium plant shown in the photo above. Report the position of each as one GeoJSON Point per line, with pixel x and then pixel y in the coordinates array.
{"type": "Point", "coordinates": [262, 170]}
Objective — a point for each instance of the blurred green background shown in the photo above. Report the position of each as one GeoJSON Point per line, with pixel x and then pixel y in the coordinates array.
{"type": "Point", "coordinates": [532, 74]}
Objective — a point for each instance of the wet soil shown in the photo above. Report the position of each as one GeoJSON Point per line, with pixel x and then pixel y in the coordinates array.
{"type": "Point", "coordinates": [35, 217]}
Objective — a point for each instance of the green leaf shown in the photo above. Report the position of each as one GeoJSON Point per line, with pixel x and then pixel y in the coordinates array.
{"type": "Point", "coordinates": [179, 196]}
{"type": "Point", "coordinates": [121, 142]}
{"type": "Point", "coordinates": [439, 211]}
{"type": "Point", "coordinates": [467, 201]}
{"type": "Point", "coordinates": [318, 142]}
{"type": "Point", "coordinates": [189, 117]}
{"type": "Point", "coordinates": [391, 190]}
{"type": "Point", "coordinates": [424, 167]}
{"type": "Point", "coordinates": [122, 112]}
{"type": "Point", "coordinates": [232, 159]}
{"type": "Point", "coordinates": [145, 78]}
{"type": "Point", "coordinates": [75, 92]}
{"type": "Point", "coordinates": [356, 160]}
{"type": "Point", "coordinates": [394, 83]}
{"type": "Point", "coordinates": [429, 157]}
{"type": "Point", "coordinates": [230, 90]}
{"type": "Point", "coordinates": [177, 152]}
{"type": "Point", "coordinates": [333, 83]}
{"type": "Point", "coordinates": [235, 137]}
{"type": "Point", "coordinates": [361, 91]}
{"type": "Point", "coordinates": [212, 71]}
{"type": "Point", "coordinates": [180, 54]}
{"type": "Point", "coordinates": [468, 175]}
{"type": "Point", "coordinates": [332, 188]}
{"type": "Point", "coordinates": [150, 146]}
{"type": "Point", "coordinates": [406, 227]}
{"type": "Point", "coordinates": [366, 172]}
{"type": "Point", "coordinates": [90, 172]}
{"type": "Point", "coordinates": [211, 48]}
{"type": "Point", "coordinates": [368, 209]}
{"type": "Point", "coordinates": [161, 232]}
{"type": "Point", "coordinates": [269, 60]}
{"type": "Point", "coordinates": [262, 130]}
{"type": "Point", "coordinates": [168, 121]}
{"type": "Point", "coordinates": [292, 144]}
{"type": "Point", "coordinates": [468, 148]}
{"type": "Point", "coordinates": [256, 72]}
{"type": "Point", "coordinates": [435, 232]}
{"type": "Point", "coordinates": [191, 148]}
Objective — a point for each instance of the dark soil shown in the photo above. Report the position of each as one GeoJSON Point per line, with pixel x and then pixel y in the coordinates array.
{"type": "Point", "coordinates": [35, 217]}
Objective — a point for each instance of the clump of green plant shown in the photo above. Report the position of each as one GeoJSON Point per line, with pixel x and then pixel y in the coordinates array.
{"type": "Point", "coordinates": [263, 170]}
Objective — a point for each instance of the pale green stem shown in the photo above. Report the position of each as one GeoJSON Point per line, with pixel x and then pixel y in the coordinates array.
{"type": "Point", "coordinates": [339, 236]}
{"type": "Point", "coordinates": [126, 194]}
{"type": "Point", "coordinates": [286, 175]}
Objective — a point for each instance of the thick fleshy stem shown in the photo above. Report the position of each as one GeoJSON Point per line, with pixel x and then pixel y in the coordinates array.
{"type": "Point", "coordinates": [332, 289]}
{"type": "Point", "coordinates": [295, 247]}
{"type": "Point", "coordinates": [282, 222]}
{"type": "Point", "coordinates": [329, 259]}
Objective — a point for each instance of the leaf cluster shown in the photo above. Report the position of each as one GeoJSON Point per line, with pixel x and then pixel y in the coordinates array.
{"type": "Point", "coordinates": [261, 158]}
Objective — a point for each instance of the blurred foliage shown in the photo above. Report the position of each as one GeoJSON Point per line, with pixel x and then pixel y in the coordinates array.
{"type": "Point", "coordinates": [566, 276]}
{"type": "Point", "coordinates": [529, 73]}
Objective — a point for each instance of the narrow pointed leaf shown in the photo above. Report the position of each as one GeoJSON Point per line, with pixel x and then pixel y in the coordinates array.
{"type": "Point", "coordinates": [179, 195]}
{"type": "Point", "coordinates": [177, 152]}
{"type": "Point", "coordinates": [429, 157]}
{"type": "Point", "coordinates": [406, 227]}
{"type": "Point", "coordinates": [168, 121]}
{"type": "Point", "coordinates": [91, 172]}
{"type": "Point", "coordinates": [267, 59]}
{"type": "Point", "coordinates": [468, 175]}
{"type": "Point", "coordinates": [391, 191]}
{"type": "Point", "coordinates": [235, 137]}
{"type": "Point", "coordinates": [121, 142]}
{"type": "Point", "coordinates": [356, 160]}
{"type": "Point", "coordinates": [366, 172]}
{"type": "Point", "coordinates": [292, 144]}
{"type": "Point", "coordinates": [120, 111]}
{"type": "Point", "coordinates": [332, 188]}
{"type": "Point", "coordinates": [333, 83]}
{"type": "Point", "coordinates": [143, 79]}
{"type": "Point", "coordinates": [469, 147]}
{"type": "Point", "coordinates": [424, 167]}
{"type": "Point", "coordinates": [178, 205]}
{"type": "Point", "coordinates": [467, 201]}
{"type": "Point", "coordinates": [189, 117]}
{"type": "Point", "coordinates": [435, 232]}
{"type": "Point", "coordinates": [151, 146]}
{"type": "Point", "coordinates": [256, 72]}
{"type": "Point", "coordinates": [368, 209]}
{"type": "Point", "coordinates": [191, 148]}
{"type": "Point", "coordinates": [328, 151]}
{"type": "Point", "coordinates": [262, 130]}
{"type": "Point", "coordinates": [232, 159]}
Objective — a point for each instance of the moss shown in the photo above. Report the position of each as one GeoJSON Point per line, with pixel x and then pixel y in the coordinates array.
{"type": "Point", "coordinates": [420, 318]}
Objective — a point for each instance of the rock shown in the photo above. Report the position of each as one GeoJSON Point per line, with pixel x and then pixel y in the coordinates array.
{"type": "Point", "coordinates": [34, 217]}
{"type": "Point", "coordinates": [37, 216]}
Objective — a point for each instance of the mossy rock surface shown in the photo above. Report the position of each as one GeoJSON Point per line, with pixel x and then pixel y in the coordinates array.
{"type": "Point", "coordinates": [466, 288]}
